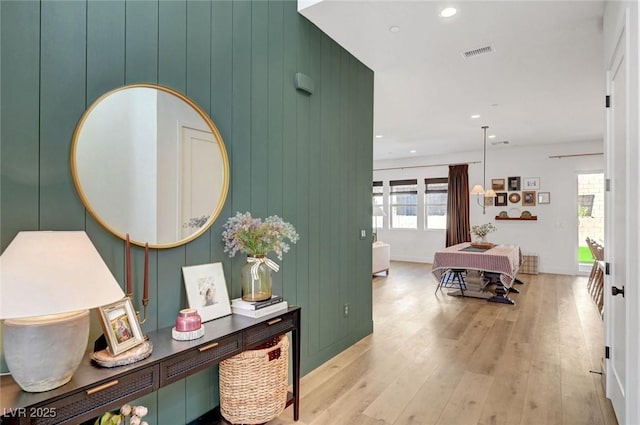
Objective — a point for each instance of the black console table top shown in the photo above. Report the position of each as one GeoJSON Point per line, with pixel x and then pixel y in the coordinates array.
{"type": "Point", "coordinates": [94, 390]}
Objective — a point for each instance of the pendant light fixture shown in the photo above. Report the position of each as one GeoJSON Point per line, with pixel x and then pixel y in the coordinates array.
{"type": "Point", "coordinates": [478, 189]}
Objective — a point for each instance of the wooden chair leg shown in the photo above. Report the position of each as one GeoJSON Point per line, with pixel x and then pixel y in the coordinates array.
{"type": "Point", "coordinates": [592, 275]}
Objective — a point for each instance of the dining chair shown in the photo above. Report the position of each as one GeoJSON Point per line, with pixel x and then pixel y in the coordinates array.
{"type": "Point", "coordinates": [453, 278]}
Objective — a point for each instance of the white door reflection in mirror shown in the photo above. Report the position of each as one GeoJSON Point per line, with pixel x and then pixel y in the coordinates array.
{"type": "Point", "coordinates": [200, 165]}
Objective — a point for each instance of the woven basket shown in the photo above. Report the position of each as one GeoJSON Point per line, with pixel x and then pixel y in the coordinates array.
{"type": "Point", "coordinates": [253, 384]}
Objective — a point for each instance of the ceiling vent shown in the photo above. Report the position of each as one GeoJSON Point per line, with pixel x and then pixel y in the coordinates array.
{"type": "Point", "coordinates": [477, 52]}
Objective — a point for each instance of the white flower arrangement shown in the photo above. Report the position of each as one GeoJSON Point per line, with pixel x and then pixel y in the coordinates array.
{"type": "Point", "coordinates": [483, 230]}
{"type": "Point", "coordinates": [128, 415]}
{"type": "Point", "coordinates": [253, 236]}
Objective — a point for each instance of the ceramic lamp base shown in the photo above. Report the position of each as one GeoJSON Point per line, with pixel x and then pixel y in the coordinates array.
{"type": "Point", "coordinates": [42, 353]}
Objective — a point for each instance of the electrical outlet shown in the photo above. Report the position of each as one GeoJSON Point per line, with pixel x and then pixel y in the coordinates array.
{"type": "Point", "coordinates": [346, 310]}
{"type": "Point", "coordinates": [363, 233]}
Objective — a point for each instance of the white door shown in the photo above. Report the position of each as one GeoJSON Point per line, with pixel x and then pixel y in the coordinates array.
{"type": "Point", "coordinates": [616, 246]}
{"type": "Point", "coordinates": [201, 169]}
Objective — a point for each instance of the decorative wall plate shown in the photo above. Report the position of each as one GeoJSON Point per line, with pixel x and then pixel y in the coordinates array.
{"type": "Point", "coordinates": [514, 198]}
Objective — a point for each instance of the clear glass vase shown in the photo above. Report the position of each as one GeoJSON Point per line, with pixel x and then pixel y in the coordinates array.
{"type": "Point", "coordinates": [256, 289]}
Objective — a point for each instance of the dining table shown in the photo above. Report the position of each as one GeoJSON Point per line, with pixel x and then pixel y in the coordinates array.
{"type": "Point", "coordinates": [502, 261]}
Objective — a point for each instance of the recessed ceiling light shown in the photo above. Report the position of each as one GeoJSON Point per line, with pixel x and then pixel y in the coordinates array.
{"type": "Point", "coordinates": [475, 116]}
{"type": "Point", "coordinates": [492, 136]}
{"type": "Point", "coordinates": [448, 12]}
{"type": "Point", "coordinates": [379, 136]}
{"type": "Point", "coordinates": [394, 28]}
{"type": "Point", "coordinates": [412, 151]}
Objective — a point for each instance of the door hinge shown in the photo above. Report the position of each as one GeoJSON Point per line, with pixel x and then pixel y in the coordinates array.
{"type": "Point", "coordinates": [607, 185]}
{"type": "Point", "coordinates": [607, 101]}
{"type": "Point", "coordinates": [606, 352]}
{"type": "Point", "coordinates": [606, 268]}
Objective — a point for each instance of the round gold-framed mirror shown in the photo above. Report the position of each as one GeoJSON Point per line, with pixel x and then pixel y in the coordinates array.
{"type": "Point", "coordinates": [149, 162]}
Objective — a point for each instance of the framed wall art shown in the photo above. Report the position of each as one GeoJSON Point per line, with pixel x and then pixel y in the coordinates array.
{"type": "Point", "coordinates": [120, 326]}
{"type": "Point", "coordinates": [544, 198]}
{"type": "Point", "coordinates": [513, 184]}
{"type": "Point", "coordinates": [497, 184]}
{"type": "Point", "coordinates": [514, 198]}
{"type": "Point", "coordinates": [531, 183]}
{"type": "Point", "coordinates": [488, 201]}
{"type": "Point", "coordinates": [207, 290]}
{"type": "Point", "coordinates": [529, 199]}
{"type": "Point", "coordinates": [501, 199]}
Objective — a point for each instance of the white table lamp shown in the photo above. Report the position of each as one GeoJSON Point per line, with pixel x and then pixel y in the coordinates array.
{"type": "Point", "coordinates": [48, 282]}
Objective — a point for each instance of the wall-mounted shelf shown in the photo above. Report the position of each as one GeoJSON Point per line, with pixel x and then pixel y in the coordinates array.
{"type": "Point", "coordinates": [532, 218]}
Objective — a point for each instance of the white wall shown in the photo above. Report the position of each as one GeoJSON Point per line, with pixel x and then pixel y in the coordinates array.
{"type": "Point", "coordinates": [116, 161]}
{"type": "Point", "coordinates": [554, 236]}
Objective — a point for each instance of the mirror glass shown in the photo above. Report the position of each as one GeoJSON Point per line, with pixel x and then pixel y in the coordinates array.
{"type": "Point", "coordinates": [148, 161]}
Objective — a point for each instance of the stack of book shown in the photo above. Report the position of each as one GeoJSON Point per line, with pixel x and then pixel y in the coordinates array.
{"type": "Point", "coordinates": [258, 308]}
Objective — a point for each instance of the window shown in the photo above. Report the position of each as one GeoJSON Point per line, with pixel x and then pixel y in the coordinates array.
{"type": "Point", "coordinates": [404, 204]}
{"type": "Point", "coordinates": [377, 202]}
{"type": "Point", "coordinates": [435, 203]}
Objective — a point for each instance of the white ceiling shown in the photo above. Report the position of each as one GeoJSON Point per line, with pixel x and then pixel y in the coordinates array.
{"type": "Point", "coordinates": [543, 84]}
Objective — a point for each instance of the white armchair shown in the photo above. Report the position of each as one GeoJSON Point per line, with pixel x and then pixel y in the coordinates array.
{"type": "Point", "coordinates": [380, 257]}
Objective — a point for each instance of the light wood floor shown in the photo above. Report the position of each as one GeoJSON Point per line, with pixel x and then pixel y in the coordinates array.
{"type": "Point", "coordinates": [437, 359]}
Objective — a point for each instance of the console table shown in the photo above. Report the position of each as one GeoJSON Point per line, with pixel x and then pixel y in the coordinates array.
{"type": "Point", "coordinates": [94, 390]}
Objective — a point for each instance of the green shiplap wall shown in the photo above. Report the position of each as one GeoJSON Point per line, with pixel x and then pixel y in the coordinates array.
{"type": "Point", "coordinates": [304, 157]}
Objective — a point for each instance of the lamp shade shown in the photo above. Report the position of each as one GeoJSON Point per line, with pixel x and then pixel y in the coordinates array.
{"type": "Point", "coordinates": [52, 272]}
{"type": "Point", "coordinates": [490, 193]}
{"type": "Point", "coordinates": [477, 190]}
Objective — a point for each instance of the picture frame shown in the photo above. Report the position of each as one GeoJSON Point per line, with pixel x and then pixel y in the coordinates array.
{"type": "Point", "coordinates": [531, 183]}
{"type": "Point", "coordinates": [497, 184]}
{"type": "Point", "coordinates": [207, 290]}
{"type": "Point", "coordinates": [120, 326]}
{"type": "Point", "coordinates": [513, 184]}
{"type": "Point", "coordinates": [501, 199]}
{"type": "Point", "coordinates": [529, 198]}
{"type": "Point", "coordinates": [544, 198]}
{"type": "Point", "coordinates": [488, 201]}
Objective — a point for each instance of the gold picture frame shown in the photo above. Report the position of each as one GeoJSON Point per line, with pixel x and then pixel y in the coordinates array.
{"type": "Point", "coordinates": [529, 198]}
{"type": "Point", "coordinates": [120, 326]}
{"type": "Point", "coordinates": [497, 184]}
